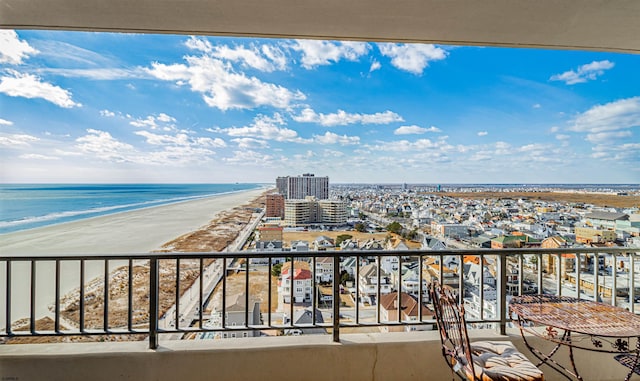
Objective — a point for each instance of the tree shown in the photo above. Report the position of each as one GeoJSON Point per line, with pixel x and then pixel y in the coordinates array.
{"type": "Point", "coordinates": [360, 227]}
{"type": "Point", "coordinates": [394, 227]}
{"type": "Point", "coordinates": [342, 237]}
{"type": "Point", "coordinates": [345, 277]}
{"type": "Point", "coordinates": [276, 269]}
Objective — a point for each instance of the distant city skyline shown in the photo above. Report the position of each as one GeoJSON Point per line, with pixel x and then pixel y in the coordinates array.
{"type": "Point", "coordinates": [129, 108]}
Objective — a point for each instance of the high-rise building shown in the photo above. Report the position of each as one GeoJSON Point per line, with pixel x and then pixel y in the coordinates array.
{"type": "Point", "coordinates": [275, 205]}
{"type": "Point", "coordinates": [299, 187]}
{"type": "Point", "coordinates": [311, 211]}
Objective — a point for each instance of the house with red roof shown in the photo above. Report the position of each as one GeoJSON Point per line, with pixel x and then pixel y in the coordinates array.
{"type": "Point", "coordinates": [300, 287]}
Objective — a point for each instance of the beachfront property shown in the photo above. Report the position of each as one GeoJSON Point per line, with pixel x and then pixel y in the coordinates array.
{"type": "Point", "coordinates": [310, 211]}
{"type": "Point", "coordinates": [301, 187]}
{"type": "Point", "coordinates": [602, 25]}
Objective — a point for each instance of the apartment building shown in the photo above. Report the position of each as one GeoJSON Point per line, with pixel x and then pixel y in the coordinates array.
{"type": "Point", "coordinates": [311, 211]}
{"type": "Point", "coordinates": [275, 205]}
{"type": "Point", "coordinates": [299, 187]}
{"type": "Point", "coordinates": [593, 235]}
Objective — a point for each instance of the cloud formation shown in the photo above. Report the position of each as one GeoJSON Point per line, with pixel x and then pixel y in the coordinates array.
{"type": "Point", "coordinates": [16, 84]}
{"type": "Point", "coordinates": [13, 50]}
{"type": "Point", "coordinates": [222, 87]}
{"type": "Point", "coordinates": [343, 118]}
{"type": "Point", "coordinates": [264, 128]}
{"type": "Point", "coordinates": [413, 58]}
{"type": "Point", "coordinates": [584, 73]}
{"type": "Point", "coordinates": [317, 53]}
{"type": "Point", "coordinates": [613, 116]}
{"type": "Point", "coordinates": [409, 130]}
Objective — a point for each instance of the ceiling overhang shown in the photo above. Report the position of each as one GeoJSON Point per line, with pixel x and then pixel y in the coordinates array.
{"type": "Point", "coordinates": [603, 25]}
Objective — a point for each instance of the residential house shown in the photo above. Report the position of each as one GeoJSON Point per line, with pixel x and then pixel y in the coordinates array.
{"type": "Point", "coordinates": [410, 310]}
{"type": "Point", "coordinates": [432, 243]}
{"type": "Point", "coordinates": [270, 233]}
{"type": "Point", "coordinates": [302, 318]}
{"type": "Point", "coordinates": [323, 243]}
{"type": "Point", "coordinates": [267, 247]}
{"type": "Point", "coordinates": [300, 287]}
{"type": "Point", "coordinates": [235, 314]}
{"type": "Point", "coordinates": [473, 271]}
{"type": "Point", "coordinates": [324, 269]}
{"type": "Point", "coordinates": [349, 244]}
{"type": "Point", "coordinates": [368, 283]}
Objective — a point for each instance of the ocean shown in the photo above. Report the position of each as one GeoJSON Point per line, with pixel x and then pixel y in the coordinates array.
{"type": "Point", "coordinates": [29, 206]}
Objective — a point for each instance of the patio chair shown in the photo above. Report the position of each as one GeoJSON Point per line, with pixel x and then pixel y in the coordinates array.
{"type": "Point", "coordinates": [481, 360]}
{"type": "Point", "coordinates": [630, 361]}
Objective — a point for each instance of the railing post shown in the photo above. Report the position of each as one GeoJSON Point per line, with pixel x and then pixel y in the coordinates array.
{"type": "Point", "coordinates": [153, 303]}
{"type": "Point", "coordinates": [336, 299]}
{"type": "Point", "coordinates": [502, 293]}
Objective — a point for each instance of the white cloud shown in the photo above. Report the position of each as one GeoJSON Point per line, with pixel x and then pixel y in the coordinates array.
{"type": "Point", "coordinates": [483, 133]}
{"type": "Point", "coordinates": [17, 140]}
{"type": "Point", "coordinates": [266, 128]}
{"type": "Point", "coordinates": [30, 86]}
{"type": "Point", "coordinates": [249, 143]}
{"type": "Point", "coordinates": [199, 44]}
{"type": "Point", "coordinates": [537, 105]}
{"type": "Point", "coordinates": [162, 121]}
{"type": "Point", "coordinates": [413, 58]}
{"type": "Point", "coordinates": [613, 116]}
{"type": "Point", "coordinates": [35, 156]}
{"type": "Point", "coordinates": [408, 130]}
{"type": "Point", "coordinates": [222, 87]}
{"type": "Point", "coordinates": [317, 52]}
{"type": "Point", "coordinates": [107, 113]}
{"type": "Point", "coordinates": [406, 145]}
{"type": "Point", "coordinates": [12, 49]}
{"type": "Point", "coordinates": [104, 146]}
{"type": "Point", "coordinates": [343, 118]}
{"type": "Point", "coordinates": [375, 65]}
{"type": "Point", "coordinates": [608, 136]}
{"type": "Point", "coordinates": [4, 122]}
{"type": "Point", "coordinates": [261, 57]}
{"type": "Point", "coordinates": [554, 129]}
{"type": "Point", "coordinates": [248, 157]}
{"type": "Point", "coordinates": [584, 73]}
{"type": "Point", "coordinates": [502, 148]}
{"type": "Point", "coordinates": [98, 74]}
{"type": "Point", "coordinates": [266, 58]}
{"type": "Point", "coordinates": [332, 138]}
{"type": "Point", "coordinates": [562, 137]}
{"type": "Point", "coordinates": [180, 140]}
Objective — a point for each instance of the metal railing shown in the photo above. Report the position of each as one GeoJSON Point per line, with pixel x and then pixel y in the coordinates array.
{"type": "Point", "coordinates": [168, 293]}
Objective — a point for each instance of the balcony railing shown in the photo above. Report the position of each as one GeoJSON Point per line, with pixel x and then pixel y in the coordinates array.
{"type": "Point", "coordinates": [168, 293]}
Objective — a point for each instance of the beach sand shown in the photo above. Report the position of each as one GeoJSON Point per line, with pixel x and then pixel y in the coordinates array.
{"type": "Point", "coordinates": [139, 231]}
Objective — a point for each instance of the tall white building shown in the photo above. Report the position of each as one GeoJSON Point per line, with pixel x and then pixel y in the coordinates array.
{"type": "Point", "coordinates": [299, 187]}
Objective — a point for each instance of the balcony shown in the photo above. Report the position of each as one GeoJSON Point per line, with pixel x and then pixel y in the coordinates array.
{"type": "Point", "coordinates": [353, 346]}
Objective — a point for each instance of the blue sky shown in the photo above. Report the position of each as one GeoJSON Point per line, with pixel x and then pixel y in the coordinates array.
{"type": "Point", "coordinates": [100, 107]}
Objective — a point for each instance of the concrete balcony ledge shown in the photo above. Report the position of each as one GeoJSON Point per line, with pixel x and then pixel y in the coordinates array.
{"type": "Point", "coordinates": [373, 356]}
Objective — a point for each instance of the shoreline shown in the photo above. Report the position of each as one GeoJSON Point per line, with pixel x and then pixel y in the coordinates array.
{"type": "Point", "coordinates": [132, 231]}
{"type": "Point", "coordinates": [138, 231]}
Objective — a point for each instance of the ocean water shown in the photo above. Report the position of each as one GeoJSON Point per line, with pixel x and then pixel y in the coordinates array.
{"type": "Point", "coordinates": [28, 206]}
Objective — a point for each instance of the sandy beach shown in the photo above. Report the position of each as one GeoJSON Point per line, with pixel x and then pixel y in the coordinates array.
{"type": "Point", "coordinates": [138, 231]}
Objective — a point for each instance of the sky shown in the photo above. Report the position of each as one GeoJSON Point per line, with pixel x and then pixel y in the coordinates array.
{"type": "Point", "coordinates": [79, 107]}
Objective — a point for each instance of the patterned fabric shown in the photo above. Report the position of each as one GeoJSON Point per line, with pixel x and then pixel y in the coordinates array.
{"type": "Point", "coordinates": [500, 360]}
{"type": "Point", "coordinates": [478, 361]}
